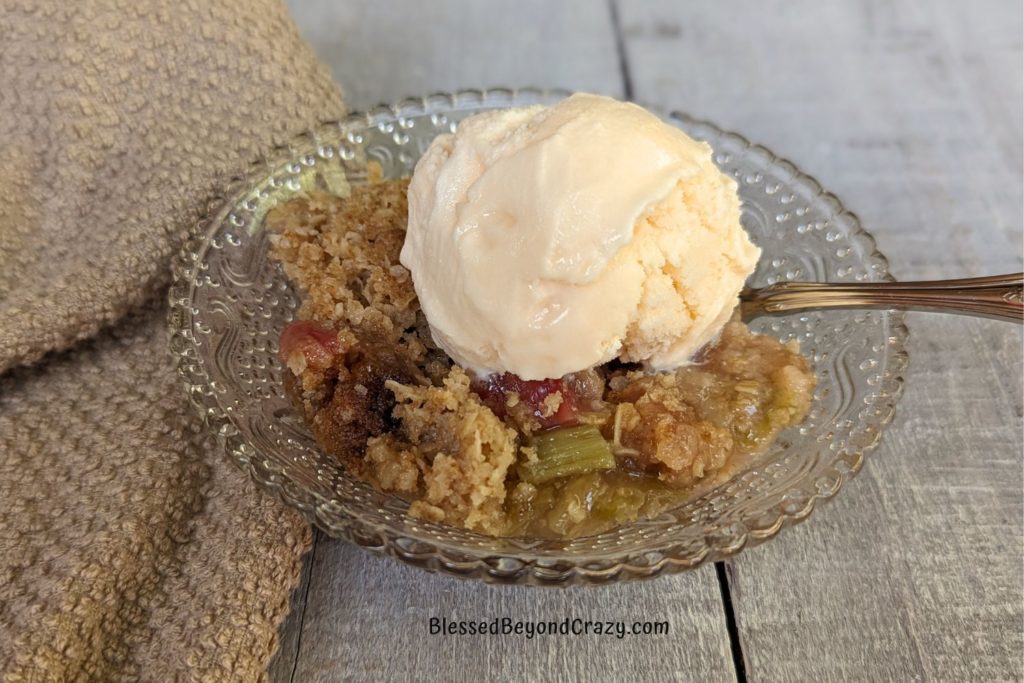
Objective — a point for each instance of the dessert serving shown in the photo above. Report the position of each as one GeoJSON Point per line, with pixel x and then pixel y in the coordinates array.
{"type": "Point", "coordinates": [535, 334]}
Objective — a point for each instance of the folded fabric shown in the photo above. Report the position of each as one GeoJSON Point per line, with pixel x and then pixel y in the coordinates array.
{"type": "Point", "coordinates": [129, 547]}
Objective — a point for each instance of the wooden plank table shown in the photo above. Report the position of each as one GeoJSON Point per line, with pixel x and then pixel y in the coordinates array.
{"type": "Point", "coordinates": [911, 112]}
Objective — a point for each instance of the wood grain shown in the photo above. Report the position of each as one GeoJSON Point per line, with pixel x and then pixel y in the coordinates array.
{"type": "Point", "coordinates": [282, 667]}
{"type": "Point", "coordinates": [910, 112]}
{"type": "Point", "coordinates": [384, 51]}
{"type": "Point", "coordinates": [367, 618]}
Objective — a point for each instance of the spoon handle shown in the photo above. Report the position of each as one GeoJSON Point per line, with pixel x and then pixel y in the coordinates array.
{"type": "Point", "coordinates": [996, 296]}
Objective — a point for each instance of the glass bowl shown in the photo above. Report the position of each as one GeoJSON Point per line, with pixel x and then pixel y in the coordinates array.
{"type": "Point", "coordinates": [230, 301]}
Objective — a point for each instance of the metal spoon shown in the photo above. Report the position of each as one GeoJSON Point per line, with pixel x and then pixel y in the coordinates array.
{"type": "Point", "coordinates": [1000, 297]}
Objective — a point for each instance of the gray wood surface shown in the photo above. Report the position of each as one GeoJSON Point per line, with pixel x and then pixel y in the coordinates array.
{"type": "Point", "coordinates": [367, 618]}
{"type": "Point", "coordinates": [911, 112]}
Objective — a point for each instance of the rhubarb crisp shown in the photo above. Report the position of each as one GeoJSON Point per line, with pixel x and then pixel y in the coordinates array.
{"type": "Point", "coordinates": [501, 455]}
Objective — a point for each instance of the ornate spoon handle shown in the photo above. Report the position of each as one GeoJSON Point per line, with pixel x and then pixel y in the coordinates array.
{"type": "Point", "coordinates": [997, 296]}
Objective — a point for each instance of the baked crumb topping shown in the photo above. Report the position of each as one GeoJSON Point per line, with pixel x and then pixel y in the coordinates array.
{"type": "Point", "coordinates": [381, 397]}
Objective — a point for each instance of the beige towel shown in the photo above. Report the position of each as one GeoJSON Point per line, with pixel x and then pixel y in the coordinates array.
{"type": "Point", "coordinates": [129, 547]}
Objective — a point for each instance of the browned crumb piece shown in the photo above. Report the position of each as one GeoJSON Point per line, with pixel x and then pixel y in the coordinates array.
{"type": "Point", "coordinates": [343, 254]}
{"type": "Point", "coordinates": [439, 445]}
{"type": "Point", "coordinates": [687, 424]}
{"type": "Point", "coordinates": [360, 404]}
{"type": "Point", "coordinates": [450, 451]}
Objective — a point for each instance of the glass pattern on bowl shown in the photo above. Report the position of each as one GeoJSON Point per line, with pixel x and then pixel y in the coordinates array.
{"type": "Point", "coordinates": [229, 302]}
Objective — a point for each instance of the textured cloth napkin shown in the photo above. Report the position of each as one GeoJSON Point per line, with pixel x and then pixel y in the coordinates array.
{"type": "Point", "coordinates": [129, 547]}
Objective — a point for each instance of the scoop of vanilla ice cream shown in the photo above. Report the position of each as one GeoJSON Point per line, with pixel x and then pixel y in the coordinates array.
{"type": "Point", "coordinates": [544, 241]}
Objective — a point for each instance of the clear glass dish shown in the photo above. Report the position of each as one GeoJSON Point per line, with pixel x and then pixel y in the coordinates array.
{"type": "Point", "coordinates": [229, 302]}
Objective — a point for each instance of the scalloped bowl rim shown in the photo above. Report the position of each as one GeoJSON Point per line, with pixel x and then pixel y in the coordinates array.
{"type": "Point", "coordinates": [545, 566]}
